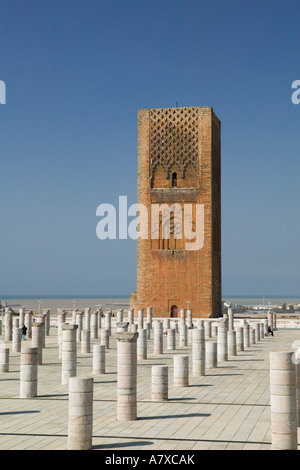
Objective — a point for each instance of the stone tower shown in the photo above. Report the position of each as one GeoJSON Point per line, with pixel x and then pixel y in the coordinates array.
{"type": "Point", "coordinates": [179, 183]}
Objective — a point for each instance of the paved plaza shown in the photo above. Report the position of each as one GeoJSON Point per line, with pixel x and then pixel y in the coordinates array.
{"type": "Point", "coordinates": [228, 408]}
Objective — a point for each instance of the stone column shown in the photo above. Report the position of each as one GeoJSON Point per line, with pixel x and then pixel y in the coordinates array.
{"type": "Point", "coordinates": [17, 339]}
{"type": "Point", "coordinates": [120, 316]}
{"type": "Point", "coordinates": [148, 328]}
{"type": "Point", "coordinates": [270, 320]}
{"type": "Point", "coordinates": [131, 316]}
{"type": "Point", "coordinates": [4, 358]}
{"type": "Point", "coordinates": [122, 326]}
{"type": "Point", "coordinates": [246, 335]}
{"type": "Point", "coordinates": [149, 316]}
{"type": "Point", "coordinates": [140, 319]}
{"type": "Point", "coordinates": [283, 401]}
{"type": "Point", "coordinates": [171, 335]}
{"type": "Point", "coordinates": [265, 325]}
{"type": "Point", "coordinates": [261, 329]}
{"type": "Point", "coordinates": [28, 372]}
{"type": "Point", "coordinates": [99, 359]}
{"type": "Point", "coordinates": [211, 359]}
{"type": "Point", "coordinates": [190, 336]}
{"type": "Point", "coordinates": [158, 337]}
{"type": "Point", "coordinates": [85, 341]}
{"type": "Point", "coordinates": [230, 319]}
{"type": "Point", "coordinates": [79, 323]}
{"type": "Point", "coordinates": [225, 320]}
{"type": "Point", "coordinates": [69, 352]}
{"type": "Point", "coordinates": [159, 383]}
{"type": "Point", "coordinates": [94, 325]}
{"type": "Point", "coordinates": [104, 337]}
{"type": "Point", "coordinates": [239, 338]}
{"type": "Point", "coordinates": [256, 328]}
{"type": "Point", "coordinates": [108, 322]}
{"type": "Point", "coordinates": [87, 319]}
{"type": "Point", "coordinates": [274, 321]}
{"type": "Point", "coordinates": [80, 424]}
{"type": "Point", "coordinates": [181, 371]}
{"type": "Point", "coordinates": [232, 346]}
{"type": "Point", "coordinates": [61, 319]}
{"type": "Point", "coordinates": [182, 315]}
{"type": "Point", "coordinates": [28, 323]}
{"type": "Point", "coordinates": [297, 369]}
{"type": "Point", "coordinates": [8, 324]}
{"type": "Point", "coordinates": [40, 319]}
{"type": "Point", "coordinates": [21, 317]}
{"type": "Point", "coordinates": [198, 352]}
{"type": "Point", "coordinates": [133, 328]}
{"type": "Point", "coordinates": [222, 350]}
{"type": "Point", "coordinates": [166, 325]}
{"type": "Point", "coordinates": [207, 327]}
{"type": "Point", "coordinates": [126, 376]}
{"type": "Point", "coordinates": [47, 322]}
{"type": "Point", "coordinates": [100, 319]}
{"type": "Point", "coordinates": [142, 344]}
{"type": "Point", "coordinates": [37, 340]}
{"type": "Point", "coordinates": [182, 334]}
{"type": "Point", "coordinates": [189, 323]}
{"type": "Point", "coordinates": [252, 335]}
{"type": "Point", "coordinates": [214, 330]}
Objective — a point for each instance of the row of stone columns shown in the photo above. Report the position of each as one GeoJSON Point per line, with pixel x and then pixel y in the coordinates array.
{"type": "Point", "coordinates": [37, 341]}
{"type": "Point", "coordinates": [204, 354]}
{"type": "Point", "coordinates": [283, 396]}
{"type": "Point", "coordinates": [129, 348]}
{"type": "Point", "coordinates": [13, 322]}
{"type": "Point", "coordinates": [226, 344]}
{"type": "Point", "coordinates": [92, 322]}
{"type": "Point", "coordinates": [81, 390]}
{"type": "Point", "coordinates": [31, 358]}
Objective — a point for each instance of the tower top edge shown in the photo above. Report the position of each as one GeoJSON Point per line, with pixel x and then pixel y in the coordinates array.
{"type": "Point", "coordinates": [177, 107]}
{"type": "Point", "coordinates": [201, 109]}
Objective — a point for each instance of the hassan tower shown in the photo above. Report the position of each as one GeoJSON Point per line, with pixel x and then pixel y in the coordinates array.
{"type": "Point", "coordinates": [179, 187]}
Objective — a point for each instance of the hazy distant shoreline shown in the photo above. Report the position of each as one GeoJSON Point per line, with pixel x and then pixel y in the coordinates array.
{"type": "Point", "coordinates": [122, 302]}
{"type": "Point", "coordinates": [36, 303]}
{"type": "Point", "coordinates": [273, 300]}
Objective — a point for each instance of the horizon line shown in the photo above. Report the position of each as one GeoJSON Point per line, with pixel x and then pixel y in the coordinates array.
{"type": "Point", "coordinates": [79, 296]}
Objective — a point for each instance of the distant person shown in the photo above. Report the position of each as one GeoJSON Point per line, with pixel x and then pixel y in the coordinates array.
{"type": "Point", "coordinates": [270, 331]}
{"type": "Point", "coordinates": [24, 332]}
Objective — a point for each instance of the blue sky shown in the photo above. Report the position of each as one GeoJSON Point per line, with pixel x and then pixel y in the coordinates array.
{"type": "Point", "coordinates": [76, 73]}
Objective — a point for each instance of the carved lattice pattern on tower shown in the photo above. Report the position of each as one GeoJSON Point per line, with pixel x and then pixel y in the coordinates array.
{"type": "Point", "coordinates": [173, 139]}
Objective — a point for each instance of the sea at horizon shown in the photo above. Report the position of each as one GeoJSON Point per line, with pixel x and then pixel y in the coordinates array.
{"type": "Point", "coordinates": [38, 302]}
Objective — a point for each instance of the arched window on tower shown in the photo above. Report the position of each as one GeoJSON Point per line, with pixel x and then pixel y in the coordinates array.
{"type": "Point", "coordinates": [174, 180]}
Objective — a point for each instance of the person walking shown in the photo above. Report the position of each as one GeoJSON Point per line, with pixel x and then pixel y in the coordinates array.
{"type": "Point", "coordinates": [24, 331]}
